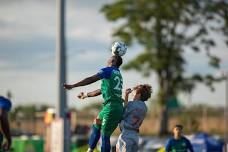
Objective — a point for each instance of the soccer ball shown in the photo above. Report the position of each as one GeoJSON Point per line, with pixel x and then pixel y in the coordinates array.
{"type": "Point", "coordinates": [119, 48]}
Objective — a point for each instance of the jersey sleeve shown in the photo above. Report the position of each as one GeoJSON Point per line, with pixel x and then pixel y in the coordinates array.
{"type": "Point", "coordinates": [105, 73]}
{"type": "Point", "coordinates": [189, 145]}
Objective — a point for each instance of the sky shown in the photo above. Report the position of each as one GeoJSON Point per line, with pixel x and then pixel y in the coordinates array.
{"type": "Point", "coordinates": [27, 53]}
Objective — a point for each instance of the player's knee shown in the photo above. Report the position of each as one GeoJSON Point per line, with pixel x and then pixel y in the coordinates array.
{"type": "Point", "coordinates": [97, 121]}
{"type": "Point", "coordinates": [117, 148]}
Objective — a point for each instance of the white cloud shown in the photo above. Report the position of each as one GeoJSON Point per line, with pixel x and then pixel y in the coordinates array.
{"type": "Point", "coordinates": [38, 18]}
{"type": "Point", "coordinates": [87, 23]}
{"type": "Point", "coordinates": [27, 18]}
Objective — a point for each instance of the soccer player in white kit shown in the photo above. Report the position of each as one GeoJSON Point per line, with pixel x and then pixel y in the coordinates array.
{"type": "Point", "coordinates": [134, 114]}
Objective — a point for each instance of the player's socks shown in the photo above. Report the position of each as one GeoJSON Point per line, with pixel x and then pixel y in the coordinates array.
{"type": "Point", "coordinates": [95, 136]}
{"type": "Point", "coordinates": [105, 147]}
{"type": "Point", "coordinates": [89, 150]}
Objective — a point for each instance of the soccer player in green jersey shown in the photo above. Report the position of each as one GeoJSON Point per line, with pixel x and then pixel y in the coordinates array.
{"type": "Point", "coordinates": [112, 111]}
{"type": "Point", "coordinates": [178, 143]}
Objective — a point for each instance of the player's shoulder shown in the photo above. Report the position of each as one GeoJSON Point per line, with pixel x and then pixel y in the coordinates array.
{"type": "Point", "coordinates": [133, 103]}
{"type": "Point", "coordinates": [110, 68]}
{"type": "Point", "coordinates": [185, 139]}
{"type": "Point", "coordinates": [129, 103]}
{"type": "Point", "coordinates": [105, 72]}
{"type": "Point", "coordinates": [169, 141]}
{"type": "Point", "coordinates": [140, 106]}
{"type": "Point", "coordinates": [5, 103]}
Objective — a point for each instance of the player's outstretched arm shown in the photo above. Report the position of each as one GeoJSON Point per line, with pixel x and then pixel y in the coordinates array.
{"type": "Point", "coordinates": [83, 82]}
{"type": "Point", "coordinates": [94, 93]}
{"type": "Point", "coordinates": [127, 92]}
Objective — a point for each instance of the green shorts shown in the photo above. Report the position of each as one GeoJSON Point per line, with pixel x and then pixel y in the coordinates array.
{"type": "Point", "coordinates": [110, 116]}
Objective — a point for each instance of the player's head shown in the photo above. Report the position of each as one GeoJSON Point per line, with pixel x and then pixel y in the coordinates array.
{"type": "Point", "coordinates": [177, 130]}
{"type": "Point", "coordinates": [115, 60]}
{"type": "Point", "coordinates": [142, 91]}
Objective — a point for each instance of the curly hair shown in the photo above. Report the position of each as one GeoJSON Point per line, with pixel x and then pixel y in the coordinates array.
{"type": "Point", "coordinates": [145, 90]}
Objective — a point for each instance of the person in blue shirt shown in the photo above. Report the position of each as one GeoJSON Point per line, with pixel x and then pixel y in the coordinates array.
{"type": "Point", "coordinates": [178, 143]}
{"type": "Point", "coordinates": [5, 107]}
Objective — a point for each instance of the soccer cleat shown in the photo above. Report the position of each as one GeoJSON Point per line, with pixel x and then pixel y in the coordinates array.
{"type": "Point", "coordinates": [90, 150]}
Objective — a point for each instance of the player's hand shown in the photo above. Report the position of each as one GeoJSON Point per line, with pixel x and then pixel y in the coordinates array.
{"type": "Point", "coordinates": [128, 91]}
{"type": "Point", "coordinates": [67, 86]}
{"type": "Point", "coordinates": [82, 95]}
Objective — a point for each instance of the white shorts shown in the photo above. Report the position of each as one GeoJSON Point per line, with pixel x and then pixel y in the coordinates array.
{"type": "Point", "coordinates": [128, 142]}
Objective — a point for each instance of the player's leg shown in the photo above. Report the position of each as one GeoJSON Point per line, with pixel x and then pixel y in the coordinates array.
{"type": "Point", "coordinates": [105, 146]}
{"type": "Point", "coordinates": [135, 148]}
{"type": "Point", "coordinates": [106, 132]}
{"type": "Point", "coordinates": [135, 145]}
{"type": "Point", "coordinates": [109, 123]}
{"type": "Point", "coordinates": [121, 144]}
{"type": "Point", "coordinates": [129, 145]}
{"type": "Point", "coordinates": [125, 144]}
{"type": "Point", "coordinates": [95, 135]}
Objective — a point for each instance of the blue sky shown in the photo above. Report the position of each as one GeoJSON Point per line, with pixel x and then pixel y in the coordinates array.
{"type": "Point", "coordinates": [27, 52]}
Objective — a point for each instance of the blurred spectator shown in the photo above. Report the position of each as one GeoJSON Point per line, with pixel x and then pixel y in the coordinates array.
{"type": "Point", "coordinates": [178, 142]}
{"type": "Point", "coordinates": [5, 106]}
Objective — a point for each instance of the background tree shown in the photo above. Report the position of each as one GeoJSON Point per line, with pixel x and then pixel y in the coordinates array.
{"type": "Point", "coordinates": [166, 29]}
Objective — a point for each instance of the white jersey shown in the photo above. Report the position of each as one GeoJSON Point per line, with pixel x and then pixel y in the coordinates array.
{"type": "Point", "coordinates": [134, 114]}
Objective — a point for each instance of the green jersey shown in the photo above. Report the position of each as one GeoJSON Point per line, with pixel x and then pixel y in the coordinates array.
{"type": "Point", "coordinates": [180, 145]}
{"type": "Point", "coordinates": [111, 86]}
{"type": "Point", "coordinates": [111, 89]}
